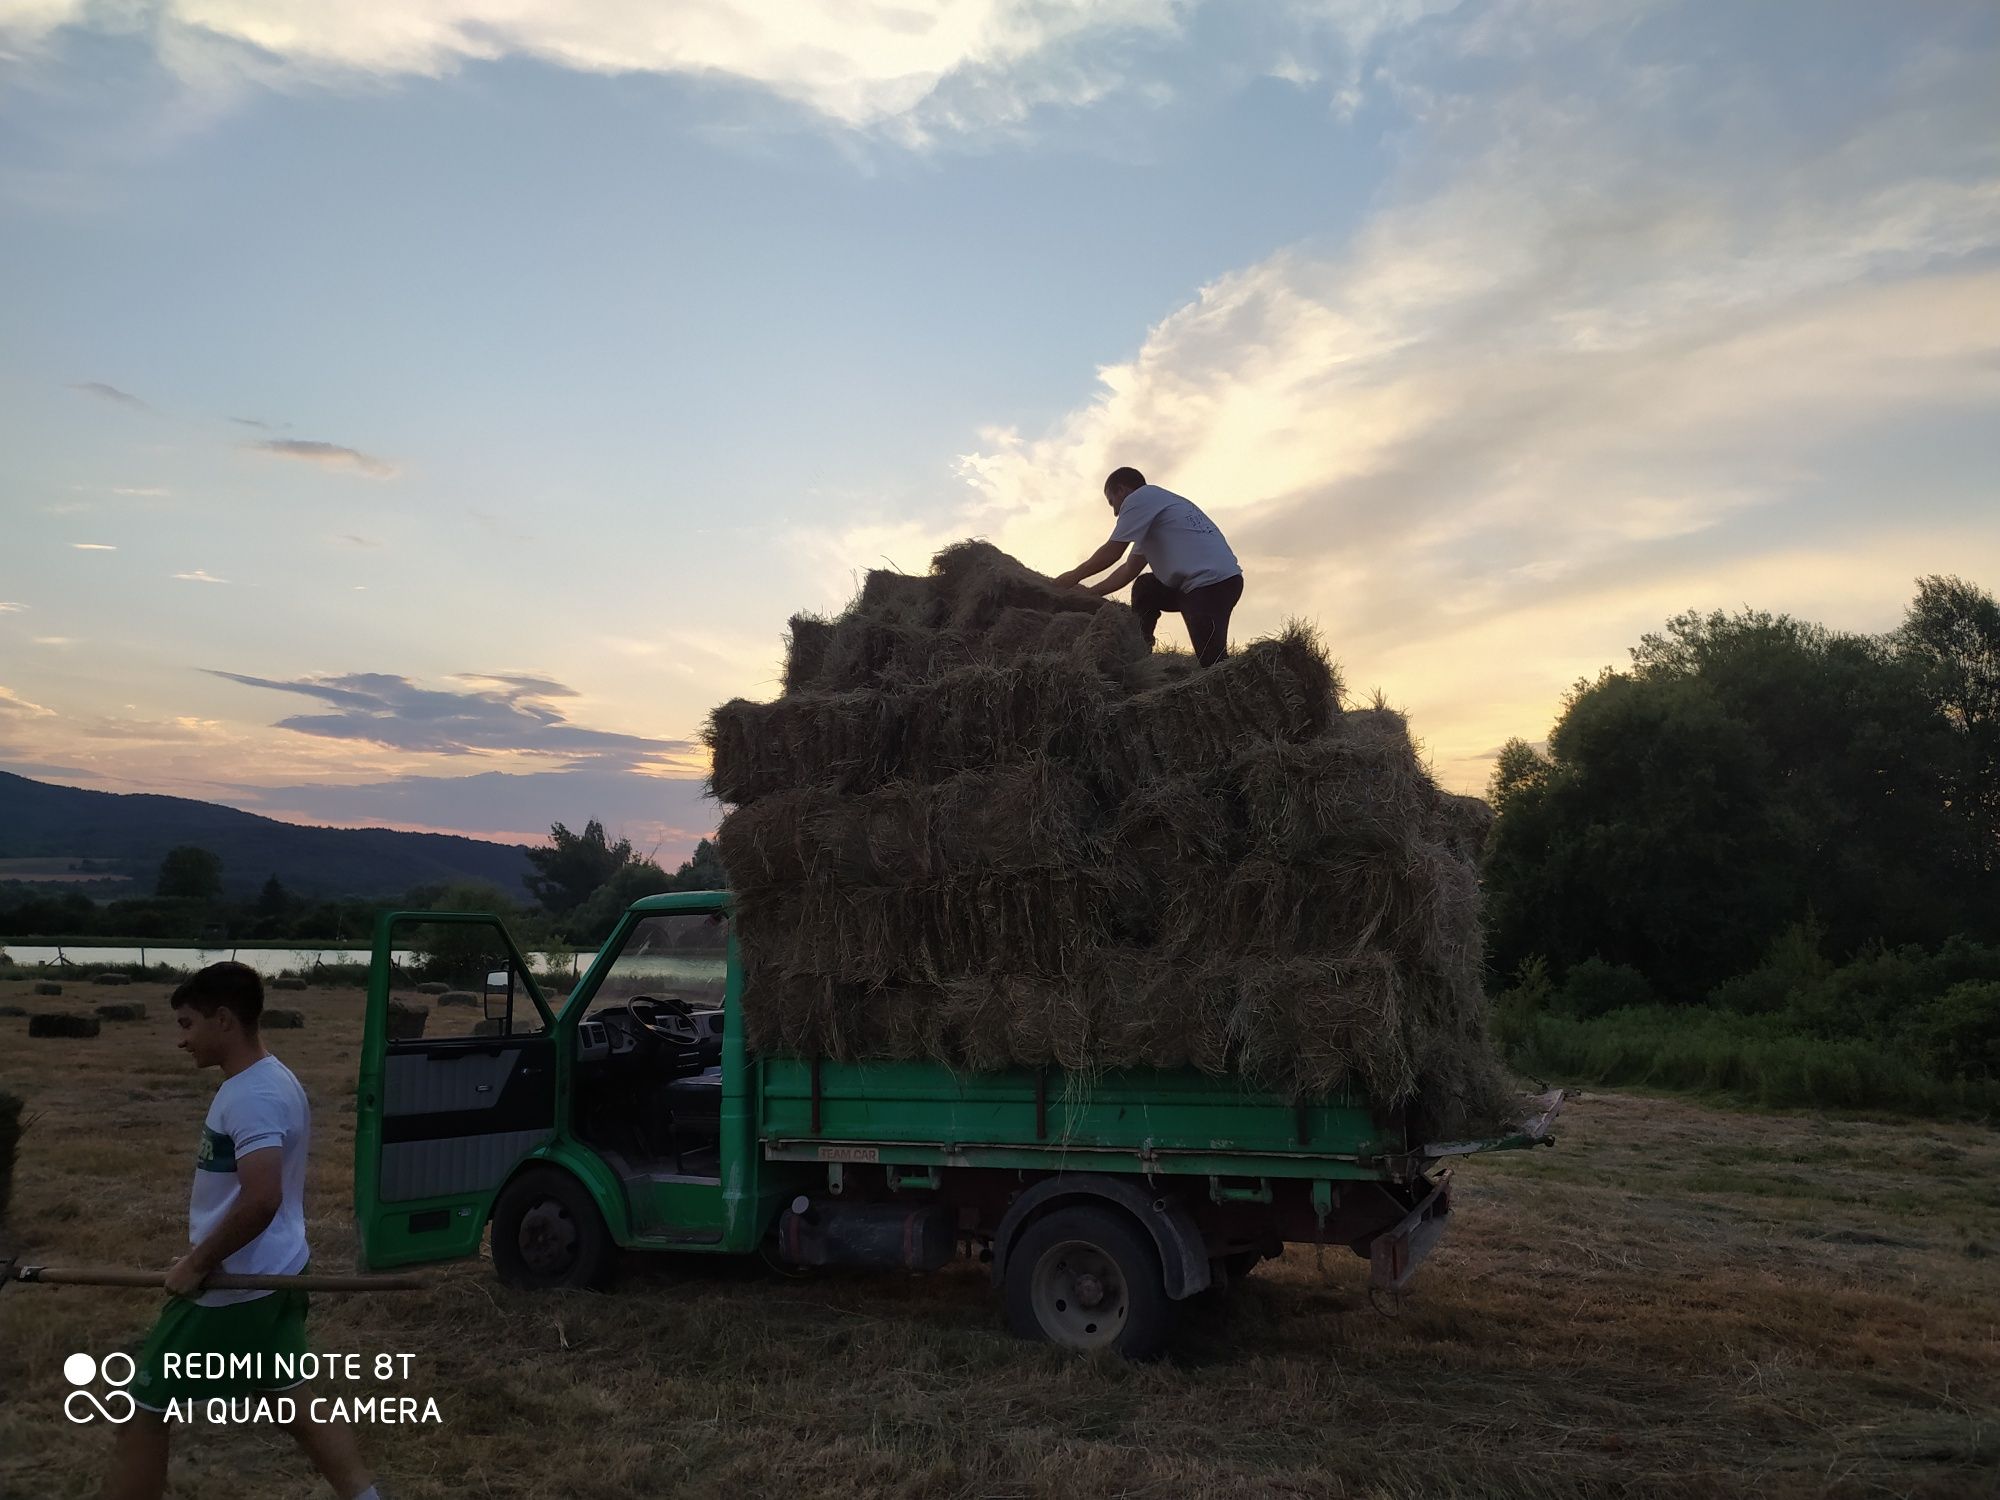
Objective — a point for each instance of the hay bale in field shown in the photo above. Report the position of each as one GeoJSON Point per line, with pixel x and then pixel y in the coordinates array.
{"type": "Point", "coordinates": [47, 987]}
{"type": "Point", "coordinates": [55, 1024]}
{"type": "Point", "coordinates": [492, 1026]}
{"type": "Point", "coordinates": [287, 982]}
{"type": "Point", "coordinates": [459, 997]}
{"type": "Point", "coordinates": [14, 1010]}
{"type": "Point", "coordinates": [406, 1021]}
{"type": "Point", "coordinates": [11, 1106]}
{"type": "Point", "coordinates": [432, 987]}
{"type": "Point", "coordinates": [111, 977]}
{"type": "Point", "coordinates": [282, 1020]}
{"type": "Point", "coordinates": [1463, 826]}
{"type": "Point", "coordinates": [134, 1010]}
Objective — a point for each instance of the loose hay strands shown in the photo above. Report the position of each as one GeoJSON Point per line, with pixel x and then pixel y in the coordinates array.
{"type": "Point", "coordinates": [977, 583]}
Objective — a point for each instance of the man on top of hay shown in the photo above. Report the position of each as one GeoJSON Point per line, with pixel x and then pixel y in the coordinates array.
{"type": "Point", "coordinates": [1194, 574]}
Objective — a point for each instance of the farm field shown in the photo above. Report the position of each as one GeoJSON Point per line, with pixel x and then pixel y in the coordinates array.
{"type": "Point", "coordinates": [1675, 1300]}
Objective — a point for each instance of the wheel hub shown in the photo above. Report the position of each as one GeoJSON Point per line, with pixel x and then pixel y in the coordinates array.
{"type": "Point", "coordinates": [1080, 1295]}
{"type": "Point", "coordinates": [548, 1238]}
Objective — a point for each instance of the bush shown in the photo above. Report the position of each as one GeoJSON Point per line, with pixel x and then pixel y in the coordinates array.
{"type": "Point", "coordinates": [1596, 988]}
{"type": "Point", "coordinates": [1958, 1034]}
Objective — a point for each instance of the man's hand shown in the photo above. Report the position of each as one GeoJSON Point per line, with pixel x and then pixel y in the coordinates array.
{"type": "Point", "coordinates": [185, 1279]}
{"type": "Point", "coordinates": [1094, 564]}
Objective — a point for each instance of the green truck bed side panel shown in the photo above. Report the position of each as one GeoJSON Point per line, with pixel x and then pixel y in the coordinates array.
{"type": "Point", "coordinates": [1144, 1112]}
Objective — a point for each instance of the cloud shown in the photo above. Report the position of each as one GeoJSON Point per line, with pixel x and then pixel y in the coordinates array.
{"type": "Point", "coordinates": [506, 714]}
{"type": "Point", "coordinates": [12, 702]}
{"type": "Point", "coordinates": [261, 426]}
{"type": "Point", "coordinates": [105, 392]}
{"type": "Point", "coordinates": [94, 546]}
{"type": "Point", "coordinates": [1578, 346]}
{"type": "Point", "coordinates": [663, 816]}
{"type": "Point", "coordinates": [57, 640]}
{"type": "Point", "coordinates": [359, 541]}
{"type": "Point", "coordinates": [926, 64]}
{"type": "Point", "coordinates": [200, 575]}
{"type": "Point", "coordinates": [147, 492]}
{"type": "Point", "coordinates": [327, 455]}
{"type": "Point", "coordinates": [9, 607]}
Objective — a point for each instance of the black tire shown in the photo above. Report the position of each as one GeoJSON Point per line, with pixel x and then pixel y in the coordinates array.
{"type": "Point", "coordinates": [1241, 1263]}
{"type": "Point", "coordinates": [548, 1233]}
{"type": "Point", "coordinates": [1088, 1278]}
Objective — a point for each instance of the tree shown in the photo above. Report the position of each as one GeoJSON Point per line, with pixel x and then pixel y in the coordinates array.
{"type": "Point", "coordinates": [591, 923]}
{"type": "Point", "coordinates": [190, 874]}
{"type": "Point", "coordinates": [274, 900]}
{"type": "Point", "coordinates": [574, 866]}
{"type": "Point", "coordinates": [1744, 771]}
{"type": "Point", "coordinates": [1951, 636]}
{"type": "Point", "coordinates": [701, 871]}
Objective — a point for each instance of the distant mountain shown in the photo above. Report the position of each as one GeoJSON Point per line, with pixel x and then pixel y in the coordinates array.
{"type": "Point", "coordinates": [137, 829]}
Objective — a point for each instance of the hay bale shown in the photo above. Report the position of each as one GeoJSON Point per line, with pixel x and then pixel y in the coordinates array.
{"type": "Point", "coordinates": [47, 987]}
{"type": "Point", "coordinates": [1464, 824]}
{"type": "Point", "coordinates": [11, 1106]}
{"type": "Point", "coordinates": [492, 1026]}
{"type": "Point", "coordinates": [1278, 689]}
{"type": "Point", "coordinates": [282, 1020]}
{"type": "Point", "coordinates": [976, 583]}
{"type": "Point", "coordinates": [459, 997]}
{"type": "Point", "coordinates": [13, 1010]}
{"type": "Point", "coordinates": [131, 1011]}
{"type": "Point", "coordinates": [286, 982]}
{"type": "Point", "coordinates": [54, 1024]}
{"type": "Point", "coordinates": [111, 977]}
{"type": "Point", "coordinates": [806, 640]}
{"type": "Point", "coordinates": [405, 1021]}
{"type": "Point", "coordinates": [432, 987]}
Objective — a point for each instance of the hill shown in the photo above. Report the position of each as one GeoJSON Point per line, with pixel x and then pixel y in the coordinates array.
{"type": "Point", "coordinates": [135, 830]}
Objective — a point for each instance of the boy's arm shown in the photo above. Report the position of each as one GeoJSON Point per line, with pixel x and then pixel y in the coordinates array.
{"type": "Point", "coordinates": [260, 1189]}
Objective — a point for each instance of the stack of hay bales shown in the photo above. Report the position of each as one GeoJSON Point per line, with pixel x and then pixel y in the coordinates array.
{"type": "Point", "coordinates": [985, 824]}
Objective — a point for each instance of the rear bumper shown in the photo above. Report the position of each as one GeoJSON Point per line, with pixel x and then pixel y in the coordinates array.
{"type": "Point", "coordinates": [1396, 1253]}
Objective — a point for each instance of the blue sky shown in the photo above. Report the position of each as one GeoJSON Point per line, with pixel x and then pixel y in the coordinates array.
{"type": "Point", "coordinates": [422, 412]}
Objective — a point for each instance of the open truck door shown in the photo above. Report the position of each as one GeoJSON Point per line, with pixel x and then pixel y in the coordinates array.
{"type": "Point", "coordinates": [457, 1084]}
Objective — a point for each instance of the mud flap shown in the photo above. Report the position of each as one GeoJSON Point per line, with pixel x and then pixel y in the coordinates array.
{"type": "Point", "coordinates": [1394, 1257]}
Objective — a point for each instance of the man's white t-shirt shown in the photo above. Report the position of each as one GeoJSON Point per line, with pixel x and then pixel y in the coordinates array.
{"type": "Point", "coordinates": [261, 1107]}
{"type": "Point", "coordinates": [1184, 548]}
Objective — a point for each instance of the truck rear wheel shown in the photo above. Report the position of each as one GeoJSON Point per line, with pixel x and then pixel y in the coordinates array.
{"type": "Point", "coordinates": [548, 1233]}
{"type": "Point", "coordinates": [1088, 1278]}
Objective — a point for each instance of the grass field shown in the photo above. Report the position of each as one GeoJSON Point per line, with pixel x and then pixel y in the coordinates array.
{"type": "Point", "coordinates": [1676, 1300]}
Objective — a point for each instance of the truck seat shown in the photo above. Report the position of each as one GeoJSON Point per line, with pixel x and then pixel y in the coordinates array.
{"type": "Point", "coordinates": [695, 1102]}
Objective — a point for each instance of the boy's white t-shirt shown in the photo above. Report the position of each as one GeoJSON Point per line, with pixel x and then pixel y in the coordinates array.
{"type": "Point", "coordinates": [1182, 546]}
{"type": "Point", "coordinates": [261, 1107]}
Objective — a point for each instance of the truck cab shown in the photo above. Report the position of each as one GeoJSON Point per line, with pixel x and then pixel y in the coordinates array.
{"type": "Point", "coordinates": [630, 1115]}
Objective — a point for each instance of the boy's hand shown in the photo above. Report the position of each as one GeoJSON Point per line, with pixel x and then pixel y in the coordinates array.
{"type": "Point", "coordinates": [185, 1279]}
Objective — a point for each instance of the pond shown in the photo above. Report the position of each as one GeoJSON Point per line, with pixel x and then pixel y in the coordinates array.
{"type": "Point", "coordinates": [266, 961]}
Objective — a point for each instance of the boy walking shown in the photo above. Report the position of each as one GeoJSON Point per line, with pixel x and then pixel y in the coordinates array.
{"type": "Point", "coordinates": [246, 1215]}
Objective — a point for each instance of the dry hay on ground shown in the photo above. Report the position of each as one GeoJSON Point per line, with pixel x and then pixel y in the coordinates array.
{"type": "Point", "coordinates": [983, 825]}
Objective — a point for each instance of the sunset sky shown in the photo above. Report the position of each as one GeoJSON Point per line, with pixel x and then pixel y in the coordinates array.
{"type": "Point", "coordinates": [420, 412]}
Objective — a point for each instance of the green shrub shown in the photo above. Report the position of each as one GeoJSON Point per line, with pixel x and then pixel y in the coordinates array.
{"type": "Point", "coordinates": [1596, 988]}
{"type": "Point", "coordinates": [1958, 1033]}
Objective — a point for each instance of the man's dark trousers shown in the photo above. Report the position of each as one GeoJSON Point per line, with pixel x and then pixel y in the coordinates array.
{"type": "Point", "coordinates": [1206, 611]}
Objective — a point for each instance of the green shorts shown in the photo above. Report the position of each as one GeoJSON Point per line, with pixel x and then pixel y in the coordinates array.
{"type": "Point", "coordinates": [251, 1338]}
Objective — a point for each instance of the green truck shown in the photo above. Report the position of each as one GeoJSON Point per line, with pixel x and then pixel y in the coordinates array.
{"type": "Point", "coordinates": [632, 1116]}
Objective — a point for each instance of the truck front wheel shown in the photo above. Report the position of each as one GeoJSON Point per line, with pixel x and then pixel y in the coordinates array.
{"type": "Point", "coordinates": [548, 1233]}
{"type": "Point", "coordinates": [1088, 1278]}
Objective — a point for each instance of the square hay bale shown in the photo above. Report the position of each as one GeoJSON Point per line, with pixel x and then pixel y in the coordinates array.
{"type": "Point", "coordinates": [1283, 688]}
{"type": "Point", "coordinates": [132, 1010]}
{"type": "Point", "coordinates": [287, 982]}
{"type": "Point", "coordinates": [976, 583]}
{"type": "Point", "coordinates": [282, 1020]}
{"type": "Point", "coordinates": [432, 987]}
{"type": "Point", "coordinates": [13, 1010]}
{"type": "Point", "coordinates": [56, 1024]}
{"type": "Point", "coordinates": [459, 997]}
{"type": "Point", "coordinates": [111, 977]}
{"type": "Point", "coordinates": [1311, 1028]}
{"type": "Point", "coordinates": [11, 1106]}
{"type": "Point", "coordinates": [47, 987]}
{"type": "Point", "coordinates": [845, 741]}
{"type": "Point", "coordinates": [405, 1021]}
{"type": "Point", "coordinates": [888, 594]}
{"type": "Point", "coordinates": [1336, 793]}
{"type": "Point", "coordinates": [806, 640]}
{"type": "Point", "coordinates": [1463, 825]}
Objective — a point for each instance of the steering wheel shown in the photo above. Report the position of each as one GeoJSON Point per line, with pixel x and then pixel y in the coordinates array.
{"type": "Point", "coordinates": [646, 1009]}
